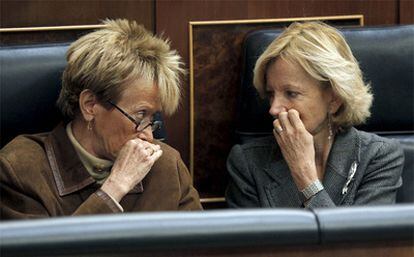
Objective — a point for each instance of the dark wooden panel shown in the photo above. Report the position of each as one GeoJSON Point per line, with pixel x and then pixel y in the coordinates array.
{"type": "Point", "coordinates": [39, 37]}
{"type": "Point", "coordinates": [376, 12]}
{"type": "Point", "coordinates": [172, 18]}
{"type": "Point", "coordinates": [406, 11]}
{"type": "Point", "coordinates": [47, 13]}
{"type": "Point", "coordinates": [34, 13]}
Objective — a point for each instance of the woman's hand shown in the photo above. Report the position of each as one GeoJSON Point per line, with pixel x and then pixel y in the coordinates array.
{"type": "Point", "coordinates": [297, 147]}
{"type": "Point", "coordinates": [133, 163]}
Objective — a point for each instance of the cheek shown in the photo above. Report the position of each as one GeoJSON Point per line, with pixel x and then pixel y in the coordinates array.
{"type": "Point", "coordinates": [114, 144]}
{"type": "Point", "coordinates": [114, 135]}
{"type": "Point", "coordinates": [311, 117]}
{"type": "Point", "coordinates": [120, 136]}
{"type": "Point", "coordinates": [304, 117]}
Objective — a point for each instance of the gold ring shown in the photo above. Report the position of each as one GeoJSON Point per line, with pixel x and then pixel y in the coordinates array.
{"type": "Point", "coordinates": [279, 129]}
{"type": "Point", "coordinates": [152, 150]}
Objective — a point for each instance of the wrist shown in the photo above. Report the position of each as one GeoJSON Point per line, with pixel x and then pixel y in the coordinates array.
{"type": "Point", "coordinates": [304, 176]}
{"type": "Point", "coordinates": [114, 190]}
{"type": "Point", "coordinates": [311, 190]}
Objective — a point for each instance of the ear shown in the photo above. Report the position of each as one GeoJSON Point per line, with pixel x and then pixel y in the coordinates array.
{"type": "Point", "coordinates": [87, 103]}
{"type": "Point", "coordinates": [335, 103]}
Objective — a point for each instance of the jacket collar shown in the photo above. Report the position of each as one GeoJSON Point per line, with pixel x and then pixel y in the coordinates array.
{"type": "Point", "coordinates": [345, 150]}
{"type": "Point", "coordinates": [68, 172]}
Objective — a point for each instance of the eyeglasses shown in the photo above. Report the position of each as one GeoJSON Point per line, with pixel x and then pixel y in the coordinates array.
{"type": "Point", "coordinates": [140, 125]}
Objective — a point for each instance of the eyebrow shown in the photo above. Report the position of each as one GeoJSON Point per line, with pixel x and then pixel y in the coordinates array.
{"type": "Point", "coordinates": [140, 107]}
{"type": "Point", "coordinates": [289, 86]}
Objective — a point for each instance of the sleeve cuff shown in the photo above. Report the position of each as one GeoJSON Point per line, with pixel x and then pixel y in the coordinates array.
{"type": "Point", "coordinates": [114, 205]}
{"type": "Point", "coordinates": [320, 200]}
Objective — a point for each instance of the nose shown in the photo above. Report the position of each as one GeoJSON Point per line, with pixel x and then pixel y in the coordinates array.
{"type": "Point", "coordinates": [146, 134]}
{"type": "Point", "coordinates": [276, 107]}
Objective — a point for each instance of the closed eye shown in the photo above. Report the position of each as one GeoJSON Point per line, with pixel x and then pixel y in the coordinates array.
{"type": "Point", "coordinates": [140, 115]}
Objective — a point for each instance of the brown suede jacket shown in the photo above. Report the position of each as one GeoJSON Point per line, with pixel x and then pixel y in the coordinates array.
{"type": "Point", "coordinates": [42, 176]}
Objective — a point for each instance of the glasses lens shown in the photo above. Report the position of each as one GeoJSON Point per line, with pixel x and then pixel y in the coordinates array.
{"type": "Point", "coordinates": [147, 122]}
{"type": "Point", "coordinates": [156, 125]}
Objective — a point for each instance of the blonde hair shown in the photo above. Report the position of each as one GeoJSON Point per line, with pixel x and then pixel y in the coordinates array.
{"type": "Point", "coordinates": [323, 53]}
{"type": "Point", "coordinates": [105, 60]}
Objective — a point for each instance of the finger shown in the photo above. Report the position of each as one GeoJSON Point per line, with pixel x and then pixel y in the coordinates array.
{"type": "Point", "coordinates": [156, 156]}
{"type": "Point", "coordinates": [141, 147]}
{"type": "Point", "coordinates": [134, 147]}
{"type": "Point", "coordinates": [149, 147]}
{"type": "Point", "coordinates": [149, 150]}
{"type": "Point", "coordinates": [137, 143]}
{"type": "Point", "coordinates": [284, 121]}
{"type": "Point", "coordinates": [154, 148]}
{"type": "Point", "coordinates": [276, 134]}
{"type": "Point", "coordinates": [277, 127]}
{"type": "Point", "coordinates": [145, 143]}
{"type": "Point", "coordinates": [148, 144]}
{"type": "Point", "coordinates": [295, 120]}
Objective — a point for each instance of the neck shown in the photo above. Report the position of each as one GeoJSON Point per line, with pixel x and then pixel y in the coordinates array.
{"type": "Point", "coordinates": [322, 148]}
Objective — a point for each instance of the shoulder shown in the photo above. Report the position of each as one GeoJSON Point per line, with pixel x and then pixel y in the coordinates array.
{"type": "Point", "coordinates": [24, 156]}
{"type": "Point", "coordinates": [378, 151]}
{"type": "Point", "coordinates": [257, 152]}
{"type": "Point", "coordinates": [374, 144]}
{"type": "Point", "coordinates": [169, 169]}
{"type": "Point", "coordinates": [24, 147]}
{"type": "Point", "coordinates": [168, 152]}
{"type": "Point", "coordinates": [256, 146]}
{"type": "Point", "coordinates": [170, 161]}
{"type": "Point", "coordinates": [261, 142]}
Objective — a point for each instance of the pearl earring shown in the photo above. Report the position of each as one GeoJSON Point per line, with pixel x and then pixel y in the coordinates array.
{"type": "Point", "coordinates": [330, 127]}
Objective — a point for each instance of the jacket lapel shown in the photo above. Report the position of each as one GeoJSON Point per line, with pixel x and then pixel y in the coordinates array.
{"type": "Point", "coordinates": [344, 152]}
{"type": "Point", "coordinates": [69, 173]}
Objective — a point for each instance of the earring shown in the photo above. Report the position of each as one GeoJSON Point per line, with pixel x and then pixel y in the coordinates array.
{"type": "Point", "coordinates": [89, 126]}
{"type": "Point", "coordinates": [330, 127]}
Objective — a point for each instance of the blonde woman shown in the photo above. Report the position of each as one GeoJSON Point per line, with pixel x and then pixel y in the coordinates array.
{"type": "Point", "coordinates": [316, 157]}
{"type": "Point", "coordinates": [104, 159]}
